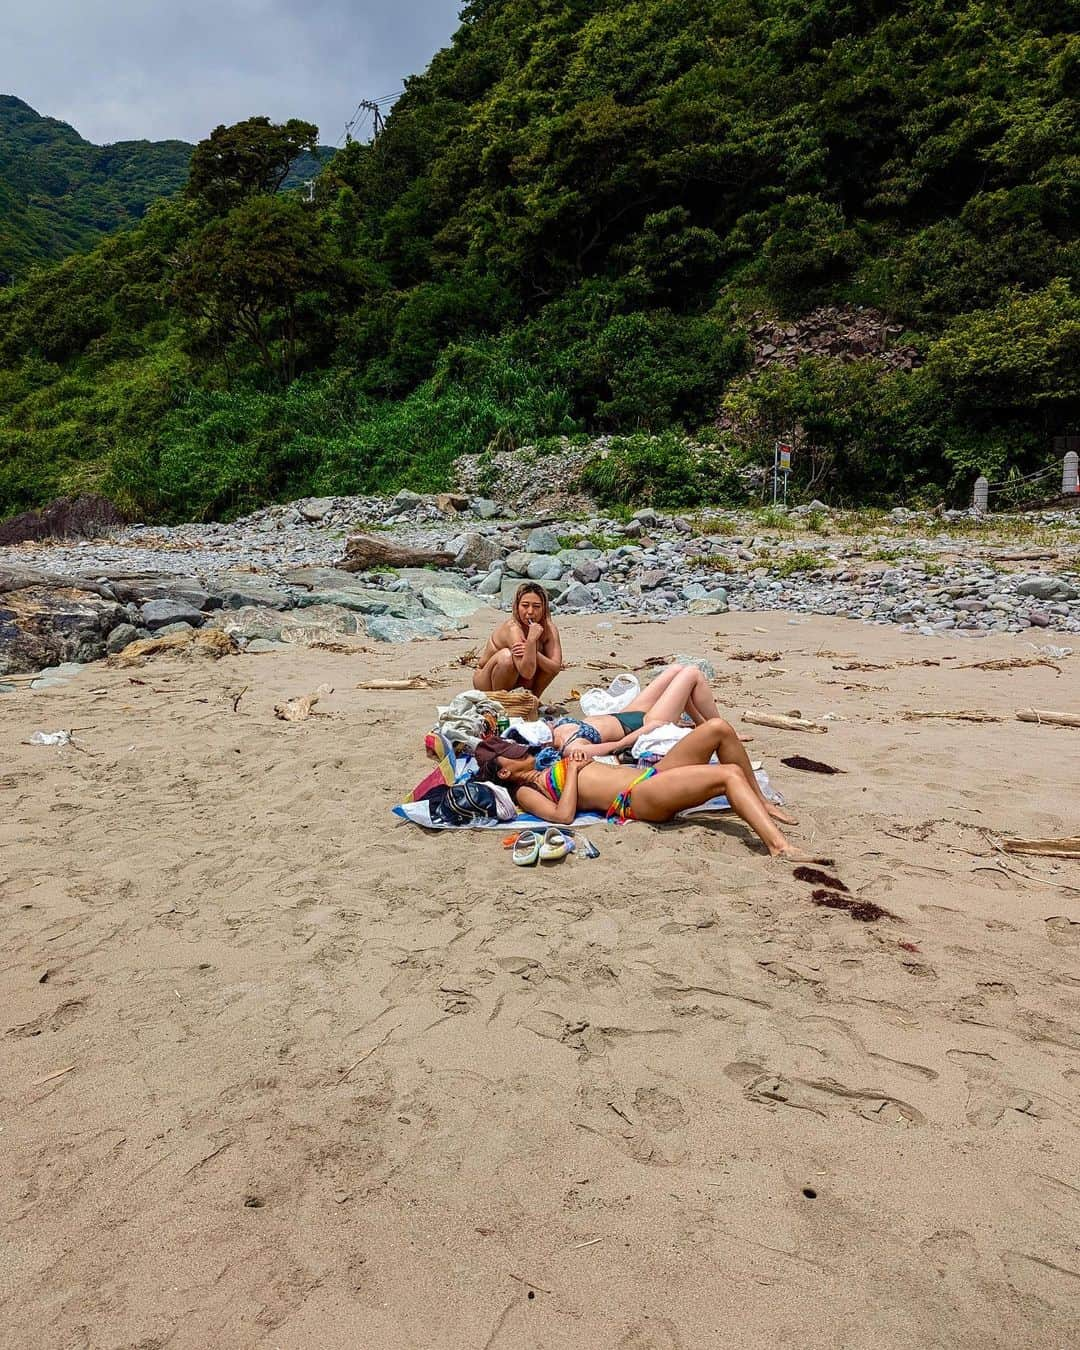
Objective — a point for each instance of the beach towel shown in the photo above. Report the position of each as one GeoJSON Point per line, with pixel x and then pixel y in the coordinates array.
{"type": "Point", "coordinates": [419, 812]}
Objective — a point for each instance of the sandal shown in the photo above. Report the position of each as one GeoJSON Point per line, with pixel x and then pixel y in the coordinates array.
{"type": "Point", "coordinates": [526, 849]}
{"type": "Point", "coordinates": [555, 845]}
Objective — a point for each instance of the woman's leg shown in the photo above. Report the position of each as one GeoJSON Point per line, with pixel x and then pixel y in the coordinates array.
{"type": "Point", "coordinates": [648, 697]}
{"type": "Point", "coordinates": [498, 672]}
{"type": "Point", "coordinates": [719, 738]}
{"type": "Point", "coordinates": [665, 794]}
{"type": "Point", "coordinates": [675, 696]}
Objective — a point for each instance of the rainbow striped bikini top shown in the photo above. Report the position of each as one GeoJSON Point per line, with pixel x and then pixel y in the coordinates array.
{"type": "Point", "coordinates": [555, 780]}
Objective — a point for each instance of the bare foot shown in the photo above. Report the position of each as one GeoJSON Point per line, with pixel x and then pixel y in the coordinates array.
{"type": "Point", "coordinates": [788, 853]}
{"type": "Point", "coordinates": [778, 813]}
{"type": "Point", "coordinates": [746, 739]}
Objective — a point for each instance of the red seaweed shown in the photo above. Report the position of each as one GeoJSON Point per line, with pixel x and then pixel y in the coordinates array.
{"type": "Point", "coordinates": [863, 910]}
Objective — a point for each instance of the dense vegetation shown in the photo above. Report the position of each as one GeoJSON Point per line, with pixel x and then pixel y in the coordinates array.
{"type": "Point", "coordinates": [564, 227]}
{"type": "Point", "coordinates": [59, 194]}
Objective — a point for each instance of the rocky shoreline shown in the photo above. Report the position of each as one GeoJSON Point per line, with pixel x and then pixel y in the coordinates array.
{"type": "Point", "coordinates": [271, 579]}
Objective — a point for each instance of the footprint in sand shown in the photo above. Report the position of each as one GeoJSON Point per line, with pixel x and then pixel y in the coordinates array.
{"type": "Point", "coordinates": [1041, 1278]}
{"type": "Point", "coordinates": [1062, 931]}
{"type": "Point", "coordinates": [59, 1018]}
{"type": "Point", "coordinates": [651, 1333]}
{"type": "Point", "coordinates": [822, 1096]}
{"type": "Point", "coordinates": [951, 1251]}
{"type": "Point", "coordinates": [991, 1101]}
{"type": "Point", "coordinates": [650, 1127]}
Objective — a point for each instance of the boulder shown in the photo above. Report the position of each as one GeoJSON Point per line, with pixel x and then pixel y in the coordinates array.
{"type": "Point", "coordinates": [577, 596]}
{"type": "Point", "coordinates": [477, 550]}
{"type": "Point", "coordinates": [542, 540]}
{"type": "Point", "coordinates": [491, 584]}
{"type": "Point", "coordinates": [485, 508]}
{"type": "Point", "coordinates": [454, 604]}
{"type": "Point", "coordinates": [406, 500]}
{"type": "Point", "coordinates": [653, 577]}
{"type": "Point", "coordinates": [179, 590]}
{"type": "Point", "coordinates": [647, 517]}
{"type": "Point", "coordinates": [298, 627]}
{"type": "Point", "coordinates": [451, 503]}
{"type": "Point", "coordinates": [545, 569]}
{"type": "Point", "coordinates": [158, 613]}
{"type": "Point", "coordinates": [46, 625]}
{"type": "Point", "coordinates": [517, 564]}
{"type": "Point", "coordinates": [315, 509]}
{"type": "Point", "coordinates": [1047, 588]}
{"type": "Point", "coordinates": [706, 606]}
{"type": "Point", "coordinates": [235, 590]}
{"type": "Point", "coordinates": [121, 635]}
{"type": "Point", "coordinates": [383, 628]}
{"type": "Point", "coordinates": [586, 571]}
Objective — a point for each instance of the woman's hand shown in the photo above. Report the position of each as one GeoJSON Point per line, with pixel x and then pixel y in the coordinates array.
{"type": "Point", "coordinates": [576, 758]}
{"type": "Point", "coordinates": [535, 632]}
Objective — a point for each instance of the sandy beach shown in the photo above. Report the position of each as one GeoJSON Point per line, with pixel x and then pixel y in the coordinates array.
{"type": "Point", "coordinates": [283, 1072]}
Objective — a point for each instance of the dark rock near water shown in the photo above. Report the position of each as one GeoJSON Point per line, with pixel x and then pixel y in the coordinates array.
{"type": "Point", "coordinates": [44, 626]}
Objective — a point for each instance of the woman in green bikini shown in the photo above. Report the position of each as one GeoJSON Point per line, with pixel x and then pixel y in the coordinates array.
{"type": "Point", "coordinates": [682, 779]}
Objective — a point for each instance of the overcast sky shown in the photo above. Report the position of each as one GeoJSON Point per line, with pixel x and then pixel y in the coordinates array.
{"type": "Point", "coordinates": [127, 69]}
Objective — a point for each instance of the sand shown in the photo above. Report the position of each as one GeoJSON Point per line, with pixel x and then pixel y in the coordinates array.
{"type": "Point", "coordinates": [280, 1071]}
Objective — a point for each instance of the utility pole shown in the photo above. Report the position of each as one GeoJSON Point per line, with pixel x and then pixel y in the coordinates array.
{"type": "Point", "coordinates": [369, 105]}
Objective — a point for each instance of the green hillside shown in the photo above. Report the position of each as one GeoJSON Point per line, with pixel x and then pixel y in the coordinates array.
{"type": "Point", "coordinates": [59, 194]}
{"type": "Point", "coordinates": [565, 226]}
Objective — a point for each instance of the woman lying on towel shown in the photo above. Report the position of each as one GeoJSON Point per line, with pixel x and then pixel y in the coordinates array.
{"type": "Point", "coordinates": [684, 778]}
{"type": "Point", "coordinates": [676, 690]}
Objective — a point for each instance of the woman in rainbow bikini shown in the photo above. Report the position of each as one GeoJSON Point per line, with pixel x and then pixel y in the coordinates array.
{"type": "Point", "coordinates": [682, 779]}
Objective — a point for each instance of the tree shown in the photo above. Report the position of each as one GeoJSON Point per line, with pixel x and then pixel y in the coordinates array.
{"type": "Point", "coordinates": [246, 274]}
{"type": "Point", "coordinates": [248, 159]}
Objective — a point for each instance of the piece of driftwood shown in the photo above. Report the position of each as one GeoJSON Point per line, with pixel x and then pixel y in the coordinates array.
{"type": "Point", "coordinates": [366, 552]}
{"type": "Point", "coordinates": [952, 715]}
{"type": "Point", "coordinates": [1032, 555]}
{"type": "Point", "coordinates": [782, 723]}
{"type": "Point", "coordinates": [1054, 719]}
{"type": "Point", "coordinates": [1044, 848]}
{"type": "Point", "coordinates": [753, 656]}
{"type": "Point", "coordinates": [413, 682]}
{"type": "Point", "coordinates": [299, 709]}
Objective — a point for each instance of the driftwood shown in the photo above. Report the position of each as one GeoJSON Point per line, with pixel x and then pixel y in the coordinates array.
{"type": "Point", "coordinates": [952, 715]}
{"type": "Point", "coordinates": [1010, 663]}
{"type": "Point", "coordinates": [1044, 848]}
{"type": "Point", "coordinates": [365, 553]}
{"type": "Point", "coordinates": [1054, 719]}
{"type": "Point", "coordinates": [413, 682]}
{"type": "Point", "coordinates": [299, 709]}
{"type": "Point", "coordinates": [782, 723]}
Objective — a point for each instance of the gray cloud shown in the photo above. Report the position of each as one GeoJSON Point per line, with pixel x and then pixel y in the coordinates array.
{"type": "Point", "coordinates": [127, 69]}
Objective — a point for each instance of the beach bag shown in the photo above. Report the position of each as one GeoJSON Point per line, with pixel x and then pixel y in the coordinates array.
{"type": "Point", "coordinates": [464, 803]}
{"type": "Point", "coordinates": [622, 690]}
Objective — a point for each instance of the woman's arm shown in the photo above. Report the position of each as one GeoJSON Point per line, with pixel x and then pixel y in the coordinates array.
{"type": "Point", "coordinates": [540, 804]}
{"type": "Point", "coordinates": [550, 659]}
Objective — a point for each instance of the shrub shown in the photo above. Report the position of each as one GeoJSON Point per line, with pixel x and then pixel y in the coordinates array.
{"type": "Point", "coordinates": [666, 471]}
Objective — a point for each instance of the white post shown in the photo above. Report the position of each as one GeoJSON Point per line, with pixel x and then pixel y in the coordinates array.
{"type": "Point", "coordinates": [1070, 473]}
{"type": "Point", "coordinates": [981, 499]}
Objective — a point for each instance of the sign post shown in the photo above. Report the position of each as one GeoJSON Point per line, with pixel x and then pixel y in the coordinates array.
{"type": "Point", "coordinates": [781, 468]}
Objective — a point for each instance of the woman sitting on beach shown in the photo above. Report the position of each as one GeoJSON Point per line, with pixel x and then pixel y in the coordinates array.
{"type": "Point", "coordinates": [524, 651]}
{"type": "Point", "coordinates": [676, 690]}
{"type": "Point", "coordinates": [682, 779]}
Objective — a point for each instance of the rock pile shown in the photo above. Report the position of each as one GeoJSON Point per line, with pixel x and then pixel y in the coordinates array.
{"type": "Point", "coordinates": [271, 579]}
{"type": "Point", "coordinates": [840, 332]}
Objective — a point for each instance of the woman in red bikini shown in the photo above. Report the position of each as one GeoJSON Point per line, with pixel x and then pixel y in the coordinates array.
{"type": "Point", "coordinates": [684, 778]}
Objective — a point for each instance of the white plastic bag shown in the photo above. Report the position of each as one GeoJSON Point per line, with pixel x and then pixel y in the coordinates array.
{"type": "Point", "coordinates": [622, 690]}
{"type": "Point", "coordinates": [50, 738]}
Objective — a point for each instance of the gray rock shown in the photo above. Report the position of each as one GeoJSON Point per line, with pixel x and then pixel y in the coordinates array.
{"type": "Point", "coordinates": [259, 645]}
{"type": "Point", "coordinates": [633, 529]}
{"type": "Point", "coordinates": [452, 603]}
{"type": "Point", "coordinates": [706, 606]}
{"type": "Point", "coordinates": [542, 540]}
{"type": "Point", "coordinates": [1037, 619]}
{"type": "Point", "coordinates": [157, 614]}
{"type": "Point", "coordinates": [44, 625]}
{"type": "Point", "coordinates": [485, 508]}
{"type": "Point", "coordinates": [647, 518]}
{"type": "Point", "coordinates": [383, 628]}
{"type": "Point", "coordinates": [406, 500]}
{"type": "Point", "coordinates": [694, 591]}
{"type": "Point", "coordinates": [577, 596]}
{"type": "Point", "coordinates": [587, 571]}
{"type": "Point", "coordinates": [517, 564]}
{"type": "Point", "coordinates": [682, 525]}
{"type": "Point", "coordinates": [491, 584]}
{"type": "Point", "coordinates": [180, 627]}
{"type": "Point", "coordinates": [1047, 588]}
{"type": "Point", "coordinates": [477, 550]}
{"type": "Point", "coordinates": [718, 593]}
{"type": "Point", "coordinates": [314, 509]}
{"type": "Point", "coordinates": [237, 589]}
{"type": "Point", "coordinates": [121, 636]}
{"type": "Point", "coordinates": [546, 569]}
{"type": "Point", "coordinates": [655, 576]}
{"type": "Point", "coordinates": [182, 590]}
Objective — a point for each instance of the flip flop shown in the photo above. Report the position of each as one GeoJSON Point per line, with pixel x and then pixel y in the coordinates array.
{"type": "Point", "coordinates": [526, 849]}
{"type": "Point", "coordinates": [556, 845]}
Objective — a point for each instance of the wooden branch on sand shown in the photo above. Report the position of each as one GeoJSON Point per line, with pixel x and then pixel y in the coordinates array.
{"type": "Point", "coordinates": [1044, 848]}
{"type": "Point", "coordinates": [366, 553]}
{"type": "Point", "coordinates": [782, 723]}
{"type": "Point", "coordinates": [952, 714]}
{"type": "Point", "coordinates": [1054, 719]}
